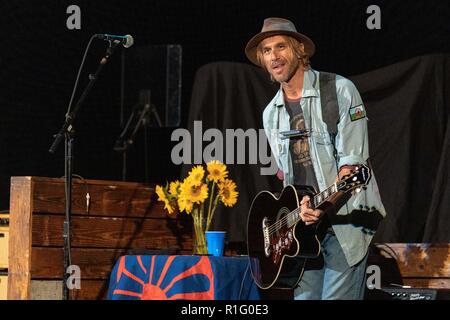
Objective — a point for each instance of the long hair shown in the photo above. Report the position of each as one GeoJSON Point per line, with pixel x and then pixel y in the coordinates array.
{"type": "Point", "coordinates": [296, 48]}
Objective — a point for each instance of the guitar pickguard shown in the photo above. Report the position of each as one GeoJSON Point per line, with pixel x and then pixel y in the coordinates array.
{"type": "Point", "coordinates": [277, 241]}
{"type": "Point", "coordinates": [281, 244]}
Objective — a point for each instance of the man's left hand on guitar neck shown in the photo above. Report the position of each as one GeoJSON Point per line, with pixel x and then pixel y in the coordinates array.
{"type": "Point", "coordinates": [309, 215]}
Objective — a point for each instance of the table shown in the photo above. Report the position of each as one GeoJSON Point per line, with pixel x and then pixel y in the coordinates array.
{"type": "Point", "coordinates": [173, 277]}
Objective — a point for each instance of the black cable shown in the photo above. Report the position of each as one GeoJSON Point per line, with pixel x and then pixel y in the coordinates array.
{"type": "Point", "coordinates": [391, 252]}
{"type": "Point", "coordinates": [243, 279]}
{"type": "Point", "coordinates": [68, 147]}
{"type": "Point", "coordinates": [67, 113]}
{"type": "Point", "coordinates": [122, 103]}
{"type": "Point", "coordinates": [79, 73]}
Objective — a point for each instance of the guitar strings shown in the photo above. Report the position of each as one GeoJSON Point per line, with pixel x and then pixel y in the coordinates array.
{"type": "Point", "coordinates": [280, 223]}
{"type": "Point", "coordinates": [283, 221]}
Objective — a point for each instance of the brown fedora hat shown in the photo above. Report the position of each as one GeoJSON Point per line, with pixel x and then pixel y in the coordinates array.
{"type": "Point", "coordinates": [274, 27]}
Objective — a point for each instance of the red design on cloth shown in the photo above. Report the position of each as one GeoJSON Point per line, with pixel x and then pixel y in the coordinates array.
{"type": "Point", "coordinates": [152, 291]}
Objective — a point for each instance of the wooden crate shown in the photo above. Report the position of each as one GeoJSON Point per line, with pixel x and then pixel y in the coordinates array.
{"type": "Point", "coordinates": [119, 218]}
{"type": "Point", "coordinates": [420, 265]}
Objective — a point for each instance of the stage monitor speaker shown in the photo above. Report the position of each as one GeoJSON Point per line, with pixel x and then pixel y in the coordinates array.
{"type": "Point", "coordinates": [408, 294]}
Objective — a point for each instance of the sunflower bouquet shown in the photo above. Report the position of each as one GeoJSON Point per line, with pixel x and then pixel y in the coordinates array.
{"type": "Point", "coordinates": [191, 196]}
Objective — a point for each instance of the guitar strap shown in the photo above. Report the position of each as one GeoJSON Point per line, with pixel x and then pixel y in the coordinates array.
{"type": "Point", "coordinates": [330, 107]}
{"type": "Point", "coordinates": [329, 103]}
{"type": "Point", "coordinates": [330, 112]}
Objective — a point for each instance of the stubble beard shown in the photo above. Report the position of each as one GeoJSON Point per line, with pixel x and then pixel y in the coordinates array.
{"type": "Point", "coordinates": [293, 66]}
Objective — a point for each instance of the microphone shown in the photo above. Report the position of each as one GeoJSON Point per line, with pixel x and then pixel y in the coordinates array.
{"type": "Point", "coordinates": [127, 40]}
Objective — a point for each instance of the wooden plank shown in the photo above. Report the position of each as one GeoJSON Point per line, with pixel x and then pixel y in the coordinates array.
{"type": "Point", "coordinates": [109, 198]}
{"type": "Point", "coordinates": [420, 260]}
{"type": "Point", "coordinates": [20, 226]}
{"type": "Point", "coordinates": [90, 290]}
{"type": "Point", "coordinates": [47, 263]}
{"type": "Point", "coordinates": [121, 216]}
{"type": "Point", "coordinates": [52, 290]}
{"type": "Point", "coordinates": [113, 232]}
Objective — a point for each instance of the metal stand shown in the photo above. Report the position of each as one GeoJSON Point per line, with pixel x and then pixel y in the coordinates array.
{"type": "Point", "coordinates": [140, 117]}
{"type": "Point", "coordinates": [67, 131]}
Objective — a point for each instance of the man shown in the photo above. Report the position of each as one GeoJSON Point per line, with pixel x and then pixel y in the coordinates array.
{"type": "Point", "coordinates": [318, 156]}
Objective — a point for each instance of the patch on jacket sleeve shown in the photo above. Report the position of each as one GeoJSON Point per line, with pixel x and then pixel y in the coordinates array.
{"type": "Point", "coordinates": [357, 112]}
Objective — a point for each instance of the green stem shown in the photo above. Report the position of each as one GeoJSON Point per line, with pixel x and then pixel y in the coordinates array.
{"type": "Point", "coordinates": [200, 242]}
{"type": "Point", "coordinates": [208, 222]}
{"type": "Point", "coordinates": [209, 207]}
{"type": "Point", "coordinates": [202, 217]}
{"type": "Point", "coordinates": [195, 218]}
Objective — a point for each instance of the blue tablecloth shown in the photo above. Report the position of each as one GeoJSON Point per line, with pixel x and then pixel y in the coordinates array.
{"type": "Point", "coordinates": [164, 277]}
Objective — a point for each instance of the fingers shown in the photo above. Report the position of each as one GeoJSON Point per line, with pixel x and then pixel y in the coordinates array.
{"type": "Point", "coordinates": [305, 200]}
{"type": "Point", "coordinates": [309, 215]}
{"type": "Point", "coordinates": [308, 219]}
{"type": "Point", "coordinates": [305, 204]}
{"type": "Point", "coordinates": [345, 170]}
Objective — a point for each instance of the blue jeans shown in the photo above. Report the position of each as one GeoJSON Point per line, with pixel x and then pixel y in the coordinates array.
{"type": "Point", "coordinates": [329, 277]}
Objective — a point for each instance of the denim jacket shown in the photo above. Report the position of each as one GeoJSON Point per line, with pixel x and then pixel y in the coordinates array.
{"type": "Point", "coordinates": [352, 147]}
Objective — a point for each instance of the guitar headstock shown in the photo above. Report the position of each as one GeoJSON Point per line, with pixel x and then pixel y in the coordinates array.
{"type": "Point", "coordinates": [357, 179]}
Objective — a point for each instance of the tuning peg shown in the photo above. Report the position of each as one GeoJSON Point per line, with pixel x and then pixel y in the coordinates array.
{"type": "Point", "coordinates": [358, 190]}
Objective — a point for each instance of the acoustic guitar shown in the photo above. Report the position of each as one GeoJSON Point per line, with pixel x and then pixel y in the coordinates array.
{"type": "Point", "coordinates": [278, 241]}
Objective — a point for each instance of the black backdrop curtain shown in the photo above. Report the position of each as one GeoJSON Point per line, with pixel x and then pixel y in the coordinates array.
{"type": "Point", "coordinates": [408, 110]}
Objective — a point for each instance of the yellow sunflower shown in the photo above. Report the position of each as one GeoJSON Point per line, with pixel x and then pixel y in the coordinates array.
{"type": "Point", "coordinates": [184, 204]}
{"type": "Point", "coordinates": [217, 171]}
{"type": "Point", "coordinates": [228, 193]}
{"type": "Point", "coordinates": [194, 193]}
{"type": "Point", "coordinates": [162, 197]}
{"type": "Point", "coordinates": [174, 188]}
{"type": "Point", "coordinates": [196, 175]}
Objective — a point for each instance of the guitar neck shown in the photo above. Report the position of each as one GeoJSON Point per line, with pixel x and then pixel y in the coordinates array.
{"type": "Point", "coordinates": [316, 201]}
{"type": "Point", "coordinates": [356, 180]}
{"type": "Point", "coordinates": [323, 196]}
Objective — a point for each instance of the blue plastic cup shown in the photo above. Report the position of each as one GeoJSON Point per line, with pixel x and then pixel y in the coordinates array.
{"type": "Point", "coordinates": [215, 241]}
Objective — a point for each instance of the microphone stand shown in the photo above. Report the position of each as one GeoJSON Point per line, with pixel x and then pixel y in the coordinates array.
{"type": "Point", "coordinates": [67, 132]}
{"type": "Point", "coordinates": [123, 142]}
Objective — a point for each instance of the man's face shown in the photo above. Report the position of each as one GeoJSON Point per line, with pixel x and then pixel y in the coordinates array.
{"type": "Point", "coordinates": [279, 58]}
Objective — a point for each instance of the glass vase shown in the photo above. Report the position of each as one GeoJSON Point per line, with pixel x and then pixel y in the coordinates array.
{"type": "Point", "coordinates": [200, 243]}
{"type": "Point", "coordinates": [199, 232]}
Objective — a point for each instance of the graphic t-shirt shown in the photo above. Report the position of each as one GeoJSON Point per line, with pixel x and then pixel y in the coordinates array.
{"type": "Point", "coordinates": [299, 148]}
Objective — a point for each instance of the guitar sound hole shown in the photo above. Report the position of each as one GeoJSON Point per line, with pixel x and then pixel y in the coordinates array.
{"type": "Point", "coordinates": [281, 221]}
